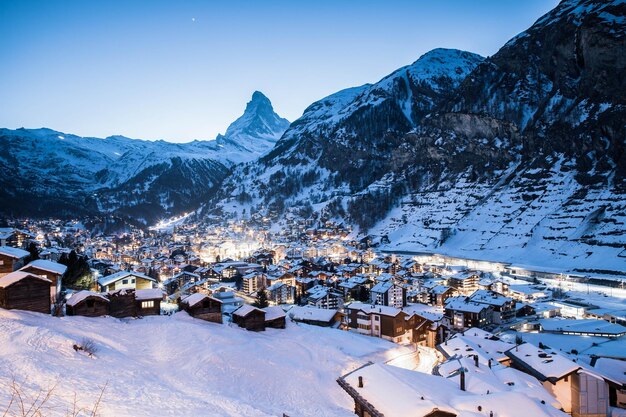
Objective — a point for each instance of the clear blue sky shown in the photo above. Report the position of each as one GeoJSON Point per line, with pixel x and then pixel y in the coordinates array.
{"type": "Point", "coordinates": [183, 70]}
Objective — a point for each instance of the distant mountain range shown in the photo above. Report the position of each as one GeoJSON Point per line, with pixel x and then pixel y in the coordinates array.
{"type": "Point", "coordinates": [517, 157]}
{"type": "Point", "coordinates": [48, 173]}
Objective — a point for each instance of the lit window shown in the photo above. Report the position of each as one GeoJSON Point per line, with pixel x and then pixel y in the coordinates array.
{"type": "Point", "coordinates": [147, 304]}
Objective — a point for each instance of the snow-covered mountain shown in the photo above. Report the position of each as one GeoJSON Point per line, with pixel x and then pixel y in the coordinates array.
{"type": "Point", "coordinates": [517, 157]}
{"type": "Point", "coordinates": [54, 173]}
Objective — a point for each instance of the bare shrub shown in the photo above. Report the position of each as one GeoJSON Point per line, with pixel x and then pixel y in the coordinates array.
{"type": "Point", "coordinates": [88, 346]}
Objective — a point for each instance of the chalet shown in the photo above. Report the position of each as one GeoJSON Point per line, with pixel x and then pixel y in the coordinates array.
{"type": "Point", "coordinates": [503, 307]}
{"type": "Point", "coordinates": [274, 317]}
{"type": "Point", "coordinates": [230, 302]}
{"type": "Point", "coordinates": [324, 297]}
{"type": "Point", "coordinates": [126, 280]}
{"type": "Point", "coordinates": [385, 390]}
{"type": "Point", "coordinates": [122, 303]}
{"type": "Point", "coordinates": [252, 282]}
{"type": "Point", "coordinates": [466, 282]}
{"type": "Point", "coordinates": [87, 303]}
{"type": "Point", "coordinates": [148, 301]}
{"type": "Point", "coordinates": [477, 343]}
{"type": "Point", "coordinates": [388, 294]}
{"type": "Point", "coordinates": [11, 259]}
{"type": "Point", "coordinates": [464, 313]}
{"type": "Point", "coordinates": [439, 294]}
{"type": "Point", "coordinates": [204, 307]}
{"type": "Point", "coordinates": [249, 317]}
{"type": "Point", "coordinates": [380, 321]}
{"type": "Point", "coordinates": [614, 373]}
{"type": "Point", "coordinates": [51, 270]}
{"type": "Point", "coordinates": [580, 392]}
{"type": "Point", "coordinates": [24, 291]}
{"type": "Point", "coordinates": [281, 293]}
{"type": "Point", "coordinates": [316, 316]}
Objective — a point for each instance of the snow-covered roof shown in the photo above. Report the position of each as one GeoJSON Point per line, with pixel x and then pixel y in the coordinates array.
{"type": "Point", "coordinates": [544, 365]}
{"type": "Point", "coordinates": [462, 304]}
{"type": "Point", "coordinates": [490, 298]}
{"type": "Point", "coordinates": [376, 309]}
{"type": "Point", "coordinates": [79, 296]}
{"type": "Point", "coordinates": [109, 279]}
{"type": "Point", "coordinates": [479, 342]}
{"type": "Point", "coordinates": [149, 294]}
{"type": "Point", "coordinates": [13, 252]}
{"type": "Point", "coordinates": [246, 309]}
{"type": "Point", "coordinates": [395, 391]}
{"type": "Point", "coordinates": [49, 266]}
{"type": "Point", "coordinates": [13, 277]}
{"type": "Point", "coordinates": [312, 313]}
{"type": "Point", "coordinates": [582, 326]}
{"type": "Point", "coordinates": [273, 313]}
{"type": "Point", "coordinates": [195, 298]}
{"type": "Point", "coordinates": [382, 287]}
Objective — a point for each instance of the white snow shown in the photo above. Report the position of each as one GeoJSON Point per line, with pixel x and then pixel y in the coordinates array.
{"type": "Point", "coordinates": [48, 266]}
{"type": "Point", "coordinates": [177, 365]}
{"type": "Point", "coordinates": [13, 277]}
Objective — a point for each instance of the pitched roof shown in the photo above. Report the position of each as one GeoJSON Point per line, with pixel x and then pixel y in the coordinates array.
{"type": "Point", "coordinates": [246, 309]}
{"type": "Point", "coordinates": [149, 294]}
{"type": "Point", "coordinates": [109, 279]}
{"type": "Point", "coordinates": [13, 252]}
{"type": "Point", "coordinates": [79, 296]}
{"type": "Point", "coordinates": [542, 364]}
{"type": "Point", "coordinates": [49, 266]}
{"type": "Point", "coordinates": [13, 277]}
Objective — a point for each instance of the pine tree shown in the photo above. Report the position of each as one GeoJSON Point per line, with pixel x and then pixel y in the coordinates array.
{"type": "Point", "coordinates": [34, 252]}
{"type": "Point", "coordinates": [261, 298]}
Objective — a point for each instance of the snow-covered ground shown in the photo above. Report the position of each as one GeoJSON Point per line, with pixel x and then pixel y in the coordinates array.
{"type": "Point", "coordinates": [177, 365]}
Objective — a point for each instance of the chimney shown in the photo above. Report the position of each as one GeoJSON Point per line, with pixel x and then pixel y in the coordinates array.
{"type": "Point", "coordinates": [462, 380]}
{"type": "Point", "coordinates": [476, 361]}
{"type": "Point", "coordinates": [489, 363]}
{"type": "Point", "coordinates": [360, 382]}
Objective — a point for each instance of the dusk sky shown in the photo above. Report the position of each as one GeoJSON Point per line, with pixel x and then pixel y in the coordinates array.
{"type": "Point", "coordinates": [183, 70]}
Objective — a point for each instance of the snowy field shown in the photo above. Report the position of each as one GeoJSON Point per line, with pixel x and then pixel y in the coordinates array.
{"type": "Point", "coordinates": [179, 366]}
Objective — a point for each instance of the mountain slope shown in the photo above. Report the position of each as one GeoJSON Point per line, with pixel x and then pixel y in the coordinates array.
{"type": "Point", "coordinates": [45, 172]}
{"type": "Point", "coordinates": [520, 156]}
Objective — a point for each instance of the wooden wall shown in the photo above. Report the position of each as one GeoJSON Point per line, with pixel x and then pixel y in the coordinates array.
{"type": "Point", "coordinates": [30, 294]}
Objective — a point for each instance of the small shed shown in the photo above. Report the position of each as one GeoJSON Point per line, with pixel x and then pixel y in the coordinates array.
{"type": "Point", "coordinates": [24, 291]}
{"type": "Point", "coordinates": [274, 317]}
{"type": "Point", "coordinates": [52, 270]}
{"type": "Point", "coordinates": [87, 303]}
{"type": "Point", "coordinates": [11, 259]}
{"type": "Point", "coordinates": [202, 306]}
{"type": "Point", "coordinates": [148, 301]}
{"type": "Point", "coordinates": [122, 303]}
{"type": "Point", "coordinates": [250, 318]}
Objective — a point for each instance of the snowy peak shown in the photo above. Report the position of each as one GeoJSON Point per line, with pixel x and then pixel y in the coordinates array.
{"type": "Point", "coordinates": [257, 130]}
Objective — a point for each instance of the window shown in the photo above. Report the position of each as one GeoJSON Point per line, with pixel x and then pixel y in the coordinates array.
{"type": "Point", "coordinates": [377, 318]}
{"type": "Point", "coordinates": [132, 281]}
{"type": "Point", "coordinates": [124, 281]}
{"type": "Point", "coordinates": [147, 304]}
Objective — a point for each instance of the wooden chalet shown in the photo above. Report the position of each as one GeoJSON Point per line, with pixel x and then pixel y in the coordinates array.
{"type": "Point", "coordinates": [275, 317]}
{"type": "Point", "coordinates": [122, 303]}
{"type": "Point", "coordinates": [88, 304]}
{"type": "Point", "coordinates": [52, 270]}
{"type": "Point", "coordinates": [202, 306]}
{"type": "Point", "coordinates": [249, 317]}
{"type": "Point", "coordinates": [25, 291]}
{"type": "Point", "coordinates": [126, 280]}
{"type": "Point", "coordinates": [316, 316]}
{"type": "Point", "coordinates": [11, 259]}
{"type": "Point", "coordinates": [148, 301]}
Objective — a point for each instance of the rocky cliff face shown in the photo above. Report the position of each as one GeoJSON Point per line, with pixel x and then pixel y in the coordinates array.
{"type": "Point", "coordinates": [519, 156]}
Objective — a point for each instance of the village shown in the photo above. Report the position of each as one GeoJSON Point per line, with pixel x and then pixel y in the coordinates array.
{"type": "Point", "coordinates": [496, 334]}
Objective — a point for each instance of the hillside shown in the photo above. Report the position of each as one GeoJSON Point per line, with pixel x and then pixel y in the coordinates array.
{"type": "Point", "coordinates": [514, 157]}
{"type": "Point", "coordinates": [176, 365]}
